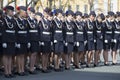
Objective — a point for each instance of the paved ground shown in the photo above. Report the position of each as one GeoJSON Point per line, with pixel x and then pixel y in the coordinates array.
{"type": "Point", "coordinates": [98, 73]}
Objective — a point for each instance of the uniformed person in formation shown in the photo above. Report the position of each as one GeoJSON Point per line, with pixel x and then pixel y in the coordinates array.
{"type": "Point", "coordinates": [22, 39]}
{"type": "Point", "coordinates": [58, 39]}
{"type": "Point", "coordinates": [99, 37]}
{"type": "Point", "coordinates": [116, 35]}
{"type": "Point", "coordinates": [45, 37]}
{"type": "Point", "coordinates": [38, 17]}
{"type": "Point", "coordinates": [33, 44]}
{"type": "Point", "coordinates": [69, 37]}
{"type": "Point", "coordinates": [8, 40]}
{"type": "Point", "coordinates": [1, 25]}
{"type": "Point", "coordinates": [108, 35]}
{"type": "Point", "coordinates": [90, 37]}
{"type": "Point", "coordinates": [79, 39]}
{"type": "Point", "coordinates": [85, 19]}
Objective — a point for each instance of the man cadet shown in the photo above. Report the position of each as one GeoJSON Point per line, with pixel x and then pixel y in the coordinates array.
{"type": "Point", "coordinates": [8, 40]}
{"type": "Point", "coordinates": [116, 38]}
{"type": "Point", "coordinates": [79, 39]}
{"type": "Point", "coordinates": [22, 39]}
{"type": "Point", "coordinates": [99, 37]}
{"type": "Point", "coordinates": [90, 37]}
{"type": "Point", "coordinates": [58, 39]}
{"type": "Point", "coordinates": [69, 37]}
{"type": "Point", "coordinates": [33, 44]}
{"type": "Point", "coordinates": [45, 31]}
{"type": "Point", "coordinates": [108, 36]}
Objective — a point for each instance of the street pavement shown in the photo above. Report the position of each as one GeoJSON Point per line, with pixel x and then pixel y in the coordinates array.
{"type": "Point", "coordinates": [95, 73]}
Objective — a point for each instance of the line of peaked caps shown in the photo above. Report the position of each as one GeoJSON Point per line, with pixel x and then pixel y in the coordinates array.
{"type": "Point", "coordinates": [56, 11]}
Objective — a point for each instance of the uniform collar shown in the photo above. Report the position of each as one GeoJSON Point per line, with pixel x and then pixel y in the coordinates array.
{"type": "Point", "coordinates": [9, 17]}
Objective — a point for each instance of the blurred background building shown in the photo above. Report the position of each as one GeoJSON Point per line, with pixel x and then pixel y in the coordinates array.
{"type": "Point", "coordinates": [82, 5]}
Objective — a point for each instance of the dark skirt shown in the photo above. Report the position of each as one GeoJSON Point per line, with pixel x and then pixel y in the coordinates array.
{"type": "Point", "coordinates": [108, 46]}
{"type": "Point", "coordinates": [70, 48]}
{"type": "Point", "coordinates": [115, 46]}
{"type": "Point", "coordinates": [23, 49]}
{"type": "Point", "coordinates": [46, 48]}
{"type": "Point", "coordinates": [81, 47]}
{"type": "Point", "coordinates": [90, 45]}
{"type": "Point", "coordinates": [59, 47]}
{"type": "Point", "coordinates": [1, 49]}
{"type": "Point", "coordinates": [10, 49]}
{"type": "Point", "coordinates": [99, 44]}
{"type": "Point", "coordinates": [34, 47]}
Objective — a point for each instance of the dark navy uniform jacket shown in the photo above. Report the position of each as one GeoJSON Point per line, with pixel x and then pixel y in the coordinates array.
{"type": "Point", "coordinates": [116, 30]}
{"type": "Point", "coordinates": [99, 30]}
{"type": "Point", "coordinates": [22, 31]}
{"type": "Point", "coordinates": [79, 31]}
{"type": "Point", "coordinates": [1, 28]}
{"type": "Point", "coordinates": [9, 30]}
{"type": "Point", "coordinates": [90, 29]}
{"type": "Point", "coordinates": [33, 29]}
{"type": "Point", "coordinates": [45, 30]}
{"type": "Point", "coordinates": [108, 30]}
{"type": "Point", "coordinates": [58, 30]}
{"type": "Point", "coordinates": [69, 31]}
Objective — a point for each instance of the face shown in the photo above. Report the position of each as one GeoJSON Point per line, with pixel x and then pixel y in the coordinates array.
{"type": "Point", "coordinates": [99, 19]}
{"type": "Point", "coordinates": [78, 17]}
{"type": "Point", "coordinates": [59, 15]}
{"type": "Point", "coordinates": [111, 17]}
{"type": "Point", "coordinates": [32, 15]}
{"type": "Point", "coordinates": [38, 18]}
{"type": "Point", "coordinates": [23, 13]}
{"type": "Point", "coordinates": [10, 13]}
{"type": "Point", "coordinates": [45, 14]}
{"type": "Point", "coordinates": [92, 17]}
{"type": "Point", "coordinates": [70, 17]}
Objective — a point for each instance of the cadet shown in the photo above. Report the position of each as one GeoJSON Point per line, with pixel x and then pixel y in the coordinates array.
{"type": "Point", "coordinates": [69, 38]}
{"type": "Point", "coordinates": [58, 39]}
{"type": "Point", "coordinates": [22, 39]}
{"type": "Point", "coordinates": [8, 40]}
{"type": "Point", "coordinates": [116, 38]}
{"type": "Point", "coordinates": [34, 38]}
{"type": "Point", "coordinates": [99, 37]}
{"type": "Point", "coordinates": [90, 37]}
{"type": "Point", "coordinates": [1, 25]}
{"type": "Point", "coordinates": [108, 36]}
{"type": "Point", "coordinates": [45, 31]}
{"type": "Point", "coordinates": [79, 38]}
{"type": "Point", "coordinates": [38, 17]}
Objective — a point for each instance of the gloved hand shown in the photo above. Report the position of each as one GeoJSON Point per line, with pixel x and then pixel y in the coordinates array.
{"type": "Point", "coordinates": [18, 45]}
{"type": "Point", "coordinates": [29, 45]}
{"type": "Point", "coordinates": [51, 43]}
{"type": "Point", "coordinates": [4, 45]}
{"type": "Point", "coordinates": [77, 44]}
{"type": "Point", "coordinates": [85, 42]}
{"type": "Point", "coordinates": [66, 44]}
{"type": "Point", "coordinates": [106, 41]}
{"type": "Point", "coordinates": [94, 41]}
{"type": "Point", "coordinates": [42, 43]}
{"type": "Point", "coordinates": [55, 41]}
